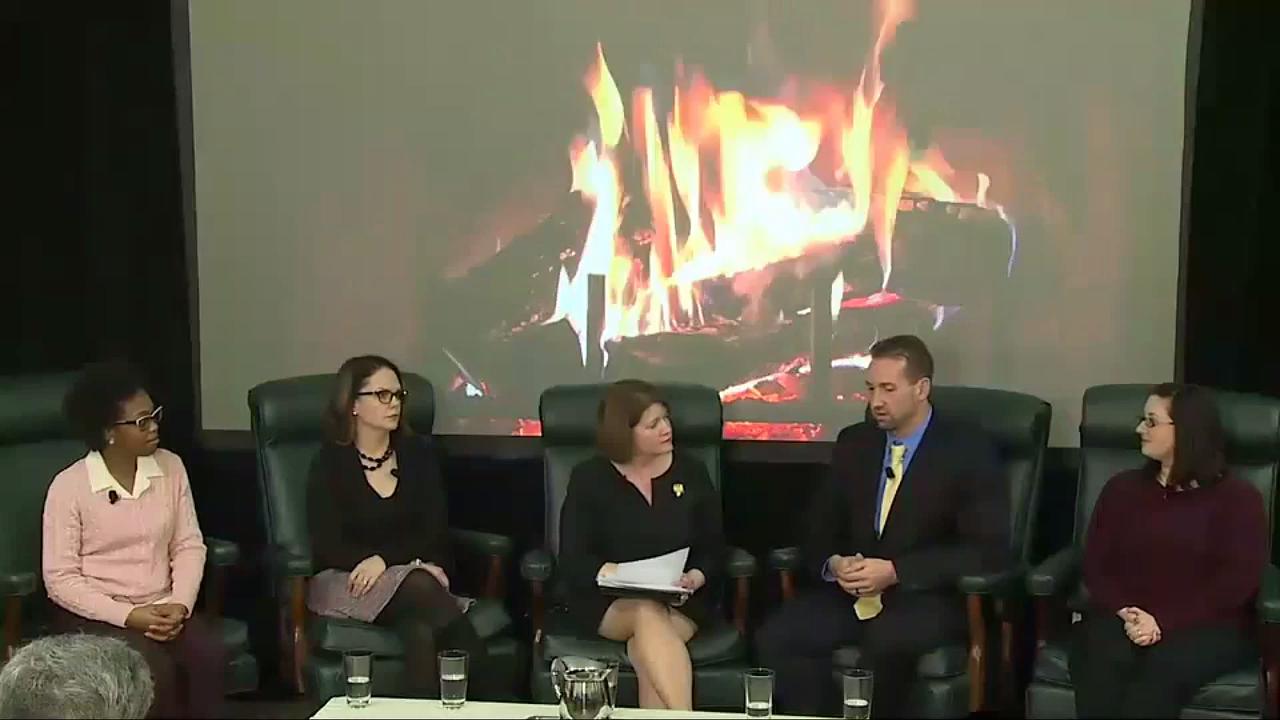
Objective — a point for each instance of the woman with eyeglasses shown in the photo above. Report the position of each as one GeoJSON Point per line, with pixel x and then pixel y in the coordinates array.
{"type": "Point", "coordinates": [379, 528]}
{"type": "Point", "coordinates": [1173, 559]}
{"type": "Point", "coordinates": [123, 554]}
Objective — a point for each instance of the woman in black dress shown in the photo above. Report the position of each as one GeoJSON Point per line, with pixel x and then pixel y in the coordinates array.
{"type": "Point", "coordinates": [377, 513]}
{"type": "Point", "coordinates": [641, 499]}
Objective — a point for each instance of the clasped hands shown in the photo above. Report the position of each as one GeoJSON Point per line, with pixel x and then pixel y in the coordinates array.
{"type": "Point", "coordinates": [862, 576]}
{"type": "Point", "coordinates": [1140, 626]}
{"type": "Point", "coordinates": [160, 622]}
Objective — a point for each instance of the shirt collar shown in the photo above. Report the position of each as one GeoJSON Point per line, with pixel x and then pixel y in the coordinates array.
{"type": "Point", "coordinates": [101, 480]}
{"type": "Point", "coordinates": [913, 440]}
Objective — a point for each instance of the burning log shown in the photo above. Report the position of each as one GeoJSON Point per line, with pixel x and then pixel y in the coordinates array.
{"type": "Point", "coordinates": [729, 353]}
{"type": "Point", "coordinates": [499, 367]}
{"type": "Point", "coordinates": [517, 286]}
{"type": "Point", "coordinates": [755, 321]}
{"type": "Point", "coordinates": [943, 253]}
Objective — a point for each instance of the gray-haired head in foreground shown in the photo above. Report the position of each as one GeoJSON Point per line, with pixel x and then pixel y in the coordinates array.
{"type": "Point", "coordinates": [76, 676]}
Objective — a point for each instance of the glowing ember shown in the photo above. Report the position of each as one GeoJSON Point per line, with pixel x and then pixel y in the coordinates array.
{"type": "Point", "coordinates": [786, 383]}
{"type": "Point", "coordinates": [796, 431]}
{"type": "Point", "coordinates": [527, 427]}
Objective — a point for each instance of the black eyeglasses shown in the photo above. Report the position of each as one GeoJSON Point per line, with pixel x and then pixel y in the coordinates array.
{"type": "Point", "coordinates": [385, 396]}
{"type": "Point", "coordinates": [1149, 423]}
{"type": "Point", "coordinates": [146, 422]}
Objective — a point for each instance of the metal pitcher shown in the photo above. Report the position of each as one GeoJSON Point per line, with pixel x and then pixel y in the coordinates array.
{"type": "Point", "coordinates": [586, 688]}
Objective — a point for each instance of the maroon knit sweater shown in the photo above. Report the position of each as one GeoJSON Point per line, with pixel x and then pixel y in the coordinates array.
{"type": "Point", "coordinates": [1189, 558]}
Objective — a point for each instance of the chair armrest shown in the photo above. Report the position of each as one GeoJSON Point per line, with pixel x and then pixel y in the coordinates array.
{"type": "Point", "coordinates": [537, 566]}
{"type": "Point", "coordinates": [787, 558]}
{"type": "Point", "coordinates": [481, 543]}
{"type": "Point", "coordinates": [740, 563]}
{"type": "Point", "coordinates": [1057, 574]}
{"type": "Point", "coordinates": [1269, 595]}
{"type": "Point", "coordinates": [286, 564]}
{"type": "Point", "coordinates": [1001, 584]}
{"type": "Point", "coordinates": [17, 584]}
{"type": "Point", "coordinates": [222, 553]}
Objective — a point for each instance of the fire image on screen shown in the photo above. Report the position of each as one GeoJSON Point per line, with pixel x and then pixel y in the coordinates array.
{"type": "Point", "coordinates": [756, 244]}
{"type": "Point", "coordinates": [743, 194]}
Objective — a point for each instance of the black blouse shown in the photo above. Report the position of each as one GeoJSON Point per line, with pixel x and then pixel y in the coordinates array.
{"type": "Point", "coordinates": [606, 519]}
{"type": "Point", "coordinates": [349, 521]}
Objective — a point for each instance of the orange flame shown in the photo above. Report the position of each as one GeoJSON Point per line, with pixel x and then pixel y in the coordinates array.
{"type": "Point", "coordinates": [726, 189]}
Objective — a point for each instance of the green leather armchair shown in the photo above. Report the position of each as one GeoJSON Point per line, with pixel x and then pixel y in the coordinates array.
{"type": "Point", "coordinates": [286, 420]}
{"type": "Point", "coordinates": [35, 445]}
{"type": "Point", "coordinates": [719, 652]}
{"type": "Point", "coordinates": [955, 681]}
{"type": "Point", "coordinates": [1108, 444]}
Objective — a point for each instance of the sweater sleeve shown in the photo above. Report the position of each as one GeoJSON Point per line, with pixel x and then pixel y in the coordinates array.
{"type": "Point", "coordinates": [1232, 580]}
{"type": "Point", "coordinates": [1103, 576]}
{"type": "Point", "coordinates": [581, 553]}
{"type": "Point", "coordinates": [331, 546]}
{"type": "Point", "coordinates": [64, 578]}
{"type": "Point", "coordinates": [707, 551]}
{"type": "Point", "coordinates": [433, 526]}
{"type": "Point", "coordinates": [187, 550]}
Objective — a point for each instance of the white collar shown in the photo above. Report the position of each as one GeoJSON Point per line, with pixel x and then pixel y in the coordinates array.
{"type": "Point", "coordinates": [101, 480]}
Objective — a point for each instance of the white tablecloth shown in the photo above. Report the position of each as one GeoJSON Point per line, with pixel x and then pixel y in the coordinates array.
{"type": "Point", "coordinates": [390, 708]}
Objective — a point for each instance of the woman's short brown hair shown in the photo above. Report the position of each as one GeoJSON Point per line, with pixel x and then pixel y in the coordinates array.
{"type": "Point", "coordinates": [621, 408]}
{"type": "Point", "coordinates": [339, 423]}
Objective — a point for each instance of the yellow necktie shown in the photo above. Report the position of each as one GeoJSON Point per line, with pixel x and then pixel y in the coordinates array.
{"type": "Point", "coordinates": [870, 606]}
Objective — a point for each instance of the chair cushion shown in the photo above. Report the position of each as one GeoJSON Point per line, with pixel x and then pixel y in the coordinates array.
{"type": "Point", "coordinates": [1237, 691]}
{"type": "Point", "coordinates": [944, 662]}
{"type": "Point", "coordinates": [716, 644]}
{"type": "Point", "coordinates": [242, 673]}
{"type": "Point", "coordinates": [487, 616]}
{"type": "Point", "coordinates": [235, 635]}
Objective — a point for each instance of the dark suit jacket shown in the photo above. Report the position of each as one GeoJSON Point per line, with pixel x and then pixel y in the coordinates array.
{"type": "Point", "coordinates": [950, 517]}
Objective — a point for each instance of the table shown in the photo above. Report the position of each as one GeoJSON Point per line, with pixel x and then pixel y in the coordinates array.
{"type": "Point", "coordinates": [394, 708]}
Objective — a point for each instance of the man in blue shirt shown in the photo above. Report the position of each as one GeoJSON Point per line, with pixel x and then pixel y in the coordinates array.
{"type": "Point", "coordinates": [914, 501]}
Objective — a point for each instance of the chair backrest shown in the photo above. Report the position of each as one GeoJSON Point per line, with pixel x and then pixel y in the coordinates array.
{"type": "Point", "coordinates": [286, 416]}
{"type": "Point", "coordinates": [35, 445]}
{"type": "Point", "coordinates": [569, 413]}
{"type": "Point", "coordinates": [1018, 425]}
{"type": "Point", "coordinates": [1109, 443]}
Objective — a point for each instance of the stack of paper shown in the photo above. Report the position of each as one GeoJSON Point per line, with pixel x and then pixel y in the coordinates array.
{"type": "Point", "coordinates": [658, 574]}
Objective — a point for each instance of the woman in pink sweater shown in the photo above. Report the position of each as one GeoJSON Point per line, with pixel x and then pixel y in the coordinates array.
{"type": "Point", "coordinates": [123, 554]}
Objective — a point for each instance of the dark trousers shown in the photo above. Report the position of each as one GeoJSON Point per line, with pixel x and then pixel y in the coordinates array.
{"type": "Point", "coordinates": [188, 671]}
{"type": "Point", "coordinates": [1115, 678]}
{"type": "Point", "coordinates": [428, 620]}
{"type": "Point", "coordinates": [797, 644]}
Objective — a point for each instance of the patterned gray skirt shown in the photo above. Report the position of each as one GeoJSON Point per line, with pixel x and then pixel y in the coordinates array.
{"type": "Point", "coordinates": [328, 596]}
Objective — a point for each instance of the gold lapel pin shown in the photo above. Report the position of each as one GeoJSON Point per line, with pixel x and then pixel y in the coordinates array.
{"type": "Point", "coordinates": [678, 489]}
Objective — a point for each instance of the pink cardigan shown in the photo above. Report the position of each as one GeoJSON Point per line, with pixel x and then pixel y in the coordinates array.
{"type": "Point", "coordinates": [102, 559]}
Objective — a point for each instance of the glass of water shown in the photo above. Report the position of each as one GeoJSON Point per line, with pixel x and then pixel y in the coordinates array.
{"type": "Point", "coordinates": [612, 667]}
{"type": "Point", "coordinates": [453, 678]}
{"type": "Point", "coordinates": [359, 668]}
{"type": "Point", "coordinates": [759, 689]}
{"type": "Point", "coordinates": [858, 684]}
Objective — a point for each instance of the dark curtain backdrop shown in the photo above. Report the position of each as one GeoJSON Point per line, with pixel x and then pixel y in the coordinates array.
{"type": "Point", "coordinates": [95, 257]}
{"type": "Point", "coordinates": [1233, 255]}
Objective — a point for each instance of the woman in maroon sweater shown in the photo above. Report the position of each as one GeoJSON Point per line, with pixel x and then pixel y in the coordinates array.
{"type": "Point", "coordinates": [1173, 559]}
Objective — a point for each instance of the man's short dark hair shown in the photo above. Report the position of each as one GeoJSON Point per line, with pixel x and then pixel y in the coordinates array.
{"type": "Point", "coordinates": [909, 348]}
